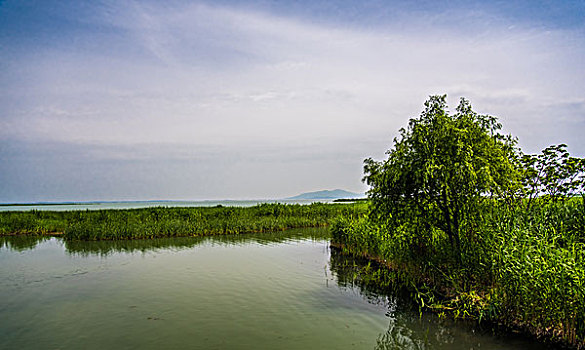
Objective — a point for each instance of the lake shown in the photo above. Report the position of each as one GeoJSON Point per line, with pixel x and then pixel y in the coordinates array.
{"type": "Point", "coordinates": [285, 290]}
{"type": "Point", "coordinates": [148, 204]}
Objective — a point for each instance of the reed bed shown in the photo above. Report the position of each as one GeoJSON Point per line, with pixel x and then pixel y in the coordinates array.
{"type": "Point", "coordinates": [519, 267]}
{"type": "Point", "coordinates": [173, 222]}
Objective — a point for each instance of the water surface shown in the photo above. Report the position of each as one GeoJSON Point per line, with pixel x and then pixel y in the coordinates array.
{"type": "Point", "coordinates": [148, 204]}
{"type": "Point", "coordinates": [259, 291]}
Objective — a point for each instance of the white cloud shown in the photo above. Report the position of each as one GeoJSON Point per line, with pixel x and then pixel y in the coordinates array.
{"type": "Point", "coordinates": [205, 76]}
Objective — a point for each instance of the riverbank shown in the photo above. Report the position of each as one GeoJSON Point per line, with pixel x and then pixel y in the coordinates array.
{"type": "Point", "coordinates": [375, 274]}
{"type": "Point", "coordinates": [173, 222]}
{"type": "Point", "coordinates": [518, 267]}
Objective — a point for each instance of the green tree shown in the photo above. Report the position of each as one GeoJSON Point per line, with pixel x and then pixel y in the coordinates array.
{"type": "Point", "coordinates": [440, 169]}
{"type": "Point", "coordinates": [553, 174]}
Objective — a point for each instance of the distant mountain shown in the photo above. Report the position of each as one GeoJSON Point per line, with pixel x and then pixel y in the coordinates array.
{"type": "Point", "coordinates": [327, 194]}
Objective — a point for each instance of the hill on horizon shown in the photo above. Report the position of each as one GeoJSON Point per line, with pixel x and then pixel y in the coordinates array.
{"type": "Point", "coordinates": [328, 194]}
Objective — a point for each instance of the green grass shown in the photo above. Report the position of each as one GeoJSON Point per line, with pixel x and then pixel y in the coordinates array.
{"type": "Point", "coordinates": [521, 268]}
{"type": "Point", "coordinates": [173, 222]}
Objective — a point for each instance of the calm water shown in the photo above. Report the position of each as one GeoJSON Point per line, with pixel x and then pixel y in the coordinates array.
{"type": "Point", "coordinates": [148, 204]}
{"type": "Point", "coordinates": [263, 291]}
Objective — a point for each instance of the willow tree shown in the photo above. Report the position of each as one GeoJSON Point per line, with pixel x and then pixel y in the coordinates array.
{"type": "Point", "coordinates": [440, 169]}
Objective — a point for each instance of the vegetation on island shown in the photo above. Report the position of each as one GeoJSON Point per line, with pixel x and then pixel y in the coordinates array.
{"type": "Point", "coordinates": [172, 222]}
{"type": "Point", "coordinates": [476, 228]}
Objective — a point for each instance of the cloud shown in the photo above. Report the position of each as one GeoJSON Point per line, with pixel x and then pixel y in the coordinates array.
{"type": "Point", "coordinates": [146, 75]}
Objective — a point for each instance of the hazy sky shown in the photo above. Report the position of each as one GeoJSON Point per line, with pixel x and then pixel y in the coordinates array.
{"type": "Point", "coordinates": [136, 100]}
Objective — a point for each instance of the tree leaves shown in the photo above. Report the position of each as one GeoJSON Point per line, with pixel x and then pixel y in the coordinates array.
{"type": "Point", "coordinates": [440, 168]}
{"type": "Point", "coordinates": [553, 174]}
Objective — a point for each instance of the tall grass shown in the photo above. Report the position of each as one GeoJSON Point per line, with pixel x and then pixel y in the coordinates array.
{"type": "Point", "coordinates": [33, 222]}
{"type": "Point", "coordinates": [171, 222]}
{"type": "Point", "coordinates": [520, 267]}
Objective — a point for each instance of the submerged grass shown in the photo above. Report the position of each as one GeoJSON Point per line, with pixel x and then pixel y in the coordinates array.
{"type": "Point", "coordinates": [522, 268]}
{"type": "Point", "coordinates": [173, 222]}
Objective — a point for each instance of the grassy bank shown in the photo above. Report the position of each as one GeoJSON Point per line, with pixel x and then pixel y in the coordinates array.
{"type": "Point", "coordinates": [171, 222]}
{"type": "Point", "coordinates": [475, 227]}
{"type": "Point", "coordinates": [520, 267]}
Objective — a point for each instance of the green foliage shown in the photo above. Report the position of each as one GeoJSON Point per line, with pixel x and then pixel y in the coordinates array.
{"type": "Point", "coordinates": [553, 174]}
{"type": "Point", "coordinates": [476, 228]}
{"type": "Point", "coordinates": [32, 222]}
{"type": "Point", "coordinates": [170, 222]}
{"type": "Point", "coordinates": [526, 269]}
{"type": "Point", "coordinates": [441, 167]}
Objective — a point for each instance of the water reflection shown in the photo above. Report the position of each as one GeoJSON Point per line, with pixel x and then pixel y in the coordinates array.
{"type": "Point", "coordinates": [21, 243]}
{"type": "Point", "coordinates": [407, 328]}
{"type": "Point", "coordinates": [371, 280]}
{"type": "Point", "coordinates": [410, 331]}
{"type": "Point", "coordinates": [104, 248]}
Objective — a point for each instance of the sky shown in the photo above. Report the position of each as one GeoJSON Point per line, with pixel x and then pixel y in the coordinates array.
{"type": "Point", "coordinates": [194, 100]}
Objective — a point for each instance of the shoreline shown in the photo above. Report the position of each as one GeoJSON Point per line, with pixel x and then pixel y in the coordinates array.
{"type": "Point", "coordinates": [551, 336]}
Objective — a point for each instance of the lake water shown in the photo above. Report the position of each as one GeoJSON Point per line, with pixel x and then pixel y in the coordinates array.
{"type": "Point", "coordinates": [148, 204]}
{"type": "Point", "coordinates": [285, 290]}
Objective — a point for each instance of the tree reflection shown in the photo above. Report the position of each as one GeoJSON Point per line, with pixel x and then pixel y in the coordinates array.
{"type": "Point", "coordinates": [420, 333]}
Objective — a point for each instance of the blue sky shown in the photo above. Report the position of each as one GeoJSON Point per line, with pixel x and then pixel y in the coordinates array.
{"type": "Point", "coordinates": [133, 100]}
